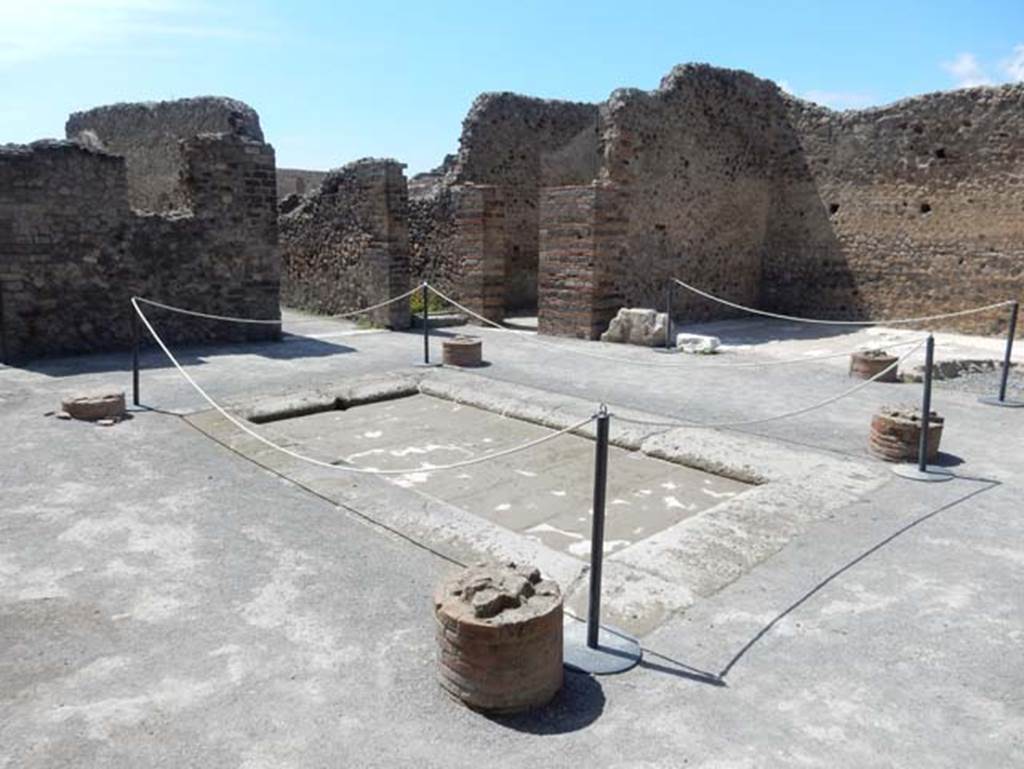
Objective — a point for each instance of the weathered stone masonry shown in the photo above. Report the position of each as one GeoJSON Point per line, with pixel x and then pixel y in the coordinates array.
{"type": "Point", "coordinates": [346, 245]}
{"type": "Point", "coordinates": [905, 210]}
{"type": "Point", "coordinates": [147, 136]}
{"type": "Point", "coordinates": [724, 181]}
{"type": "Point", "coordinates": [729, 183]}
{"type": "Point", "coordinates": [583, 236]}
{"type": "Point", "coordinates": [73, 250]}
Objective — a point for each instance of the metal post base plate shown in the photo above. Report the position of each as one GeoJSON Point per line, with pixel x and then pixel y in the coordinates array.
{"type": "Point", "coordinates": [993, 400]}
{"type": "Point", "coordinates": [616, 652]}
{"type": "Point", "coordinates": [421, 364]}
{"type": "Point", "coordinates": [931, 473]}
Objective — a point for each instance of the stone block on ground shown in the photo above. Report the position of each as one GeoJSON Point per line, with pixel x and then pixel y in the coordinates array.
{"type": "Point", "coordinates": [499, 635]}
{"type": "Point", "coordinates": [636, 325]}
{"type": "Point", "coordinates": [95, 405]}
{"type": "Point", "coordinates": [697, 343]}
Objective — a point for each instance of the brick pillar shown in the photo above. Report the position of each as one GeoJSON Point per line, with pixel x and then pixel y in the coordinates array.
{"type": "Point", "coordinates": [480, 247]}
{"type": "Point", "coordinates": [582, 256]}
{"type": "Point", "coordinates": [390, 256]}
{"type": "Point", "coordinates": [229, 182]}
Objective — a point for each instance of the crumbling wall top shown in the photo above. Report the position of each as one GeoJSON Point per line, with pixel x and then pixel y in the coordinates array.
{"type": "Point", "coordinates": [504, 135]}
{"type": "Point", "coordinates": [147, 135]}
{"type": "Point", "coordinates": [181, 117]}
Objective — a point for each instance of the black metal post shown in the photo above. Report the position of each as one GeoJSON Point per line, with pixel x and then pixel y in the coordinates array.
{"type": "Point", "coordinates": [597, 529]}
{"type": "Point", "coordinates": [1014, 309]}
{"type": "Point", "coordinates": [136, 341]}
{"type": "Point", "coordinates": [926, 405]}
{"type": "Point", "coordinates": [3, 327]}
{"type": "Point", "coordinates": [426, 325]}
{"type": "Point", "coordinates": [668, 317]}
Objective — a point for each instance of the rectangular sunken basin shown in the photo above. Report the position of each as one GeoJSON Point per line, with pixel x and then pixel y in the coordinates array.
{"type": "Point", "coordinates": [543, 493]}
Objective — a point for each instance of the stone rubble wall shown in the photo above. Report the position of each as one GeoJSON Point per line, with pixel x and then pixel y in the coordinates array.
{"type": "Point", "coordinates": [433, 248]}
{"type": "Point", "coordinates": [147, 136]}
{"type": "Point", "coordinates": [297, 181]}
{"type": "Point", "coordinates": [73, 251]}
{"type": "Point", "coordinates": [346, 245]}
{"type": "Point", "coordinates": [723, 180]}
{"type": "Point", "coordinates": [519, 145]}
{"type": "Point", "coordinates": [695, 160]}
{"type": "Point", "coordinates": [912, 209]}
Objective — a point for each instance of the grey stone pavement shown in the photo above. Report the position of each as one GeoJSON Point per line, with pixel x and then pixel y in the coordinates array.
{"type": "Point", "coordinates": [167, 603]}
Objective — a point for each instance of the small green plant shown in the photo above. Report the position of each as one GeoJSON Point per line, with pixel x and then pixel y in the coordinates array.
{"type": "Point", "coordinates": [434, 303]}
{"type": "Point", "coordinates": [365, 322]}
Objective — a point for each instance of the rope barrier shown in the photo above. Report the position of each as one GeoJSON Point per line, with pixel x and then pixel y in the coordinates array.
{"type": "Point", "coordinates": [796, 319]}
{"type": "Point", "coordinates": [744, 423]}
{"type": "Point", "coordinates": [689, 365]}
{"type": "Point", "coordinates": [331, 465]}
{"type": "Point", "coordinates": [277, 322]}
{"type": "Point", "coordinates": [680, 422]}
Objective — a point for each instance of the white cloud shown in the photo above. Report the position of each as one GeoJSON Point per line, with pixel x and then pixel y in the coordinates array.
{"type": "Point", "coordinates": [967, 71]}
{"type": "Point", "coordinates": [38, 29]}
{"type": "Point", "coordinates": [1013, 67]}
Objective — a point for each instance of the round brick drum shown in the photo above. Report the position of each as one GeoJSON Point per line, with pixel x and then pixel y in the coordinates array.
{"type": "Point", "coordinates": [499, 635]}
{"type": "Point", "coordinates": [869, 363]}
{"type": "Point", "coordinates": [896, 432]}
{"type": "Point", "coordinates": [463, 351]}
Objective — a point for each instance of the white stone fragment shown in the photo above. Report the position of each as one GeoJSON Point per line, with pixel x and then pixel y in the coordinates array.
{"type": "Point", "coordinates": [697, 343]}
{"type": "Point", "coordinates": [636, 325]}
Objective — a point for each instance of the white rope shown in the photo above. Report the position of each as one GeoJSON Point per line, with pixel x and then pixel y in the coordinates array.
{"type": "Point", "coordinates": [278, 322]}
{"type": "Point", "coordinates": [330, 465]}
{"type": "Point", "coordinates": [689, 365]}
{"type": "Point", "coordinates": [895, 322]}
{"type": "Point", "coordinates": [827, 402]}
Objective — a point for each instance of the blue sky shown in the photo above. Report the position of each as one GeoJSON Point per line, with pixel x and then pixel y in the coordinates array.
{"type": "Point", "coordinates": [335, 81]}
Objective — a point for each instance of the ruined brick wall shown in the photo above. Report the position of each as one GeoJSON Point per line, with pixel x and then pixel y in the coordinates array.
{"type": "Point", "coordinates": [346, 245]}
{"type": "Point", "coordinates": [727, 183]}
{"type": "Point", "coordinates": [584, 242]}
{"type": "Point", "coordinates": [73, 252]}
{"type": "Point", "coordinates": [520, 144]}
{"type": "Point", "coordinates": [479, 248]}
{"type": "Point", "coordinates": [433, 250]}
{"type": "Point", "coordinates": [297, 181]}
{"type": "Point", "coordinates": [695, 158]}
{"type": "Point", "coordinates": [912, 209]}
{"type": "Point", "coordinates": [147, 135]}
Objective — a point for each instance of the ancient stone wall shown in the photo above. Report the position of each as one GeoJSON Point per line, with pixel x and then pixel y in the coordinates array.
{"type": "Point", "coordinates": [297, 181]}
{"type": "Point", "coordinates": [695, 158]}
{"type": "Point", "coordinates": [912, 209]}
{"type": "Point", "coordinates": [479, 247]}
{"type": "Point", "coordinates": [434, 254]}
{"type": "Point", "coordinates": [520, 144]}
{"type": "Point", "coordinates": [73, 252]}
{"type": "Point", "coordinates": [726, 182]}
{"type": "Point", "coordinates": [346, 245]}
{"type": "Point", "coordinates": [147, 135]}
{"type": "Point", "coordinates": [584, 242]}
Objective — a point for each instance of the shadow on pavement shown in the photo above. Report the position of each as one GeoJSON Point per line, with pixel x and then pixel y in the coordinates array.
{"type": "Point", "coordinates": [989, 484]}
{"type": "Point", "coordinates": [289, 347]}
{"type": "Point", "coordinates": [578, 704]}
{"type": "Point", "coordinates": [679, 669]}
